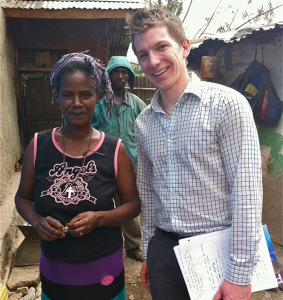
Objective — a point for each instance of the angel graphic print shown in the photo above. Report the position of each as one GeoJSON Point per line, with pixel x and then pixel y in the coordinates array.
{"type": "Point", "coordinates": [70, 184]}
{"type": "Point", "coordinates": [66, 188]}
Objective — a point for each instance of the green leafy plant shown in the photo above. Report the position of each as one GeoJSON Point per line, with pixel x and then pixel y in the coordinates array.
{"type": "Point", "coordinates": [175, 6]}
{"type": "Point", "coordinates": [137, 69]}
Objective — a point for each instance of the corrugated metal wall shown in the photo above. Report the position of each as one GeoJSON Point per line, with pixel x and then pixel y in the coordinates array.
{"type": "Point", "coordinates": [144, 89]}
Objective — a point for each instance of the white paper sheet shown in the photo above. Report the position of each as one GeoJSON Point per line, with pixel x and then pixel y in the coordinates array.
{"type": "Point", "coordinates": [203, 260]}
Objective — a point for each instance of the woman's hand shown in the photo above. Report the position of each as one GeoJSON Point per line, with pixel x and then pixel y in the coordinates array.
{"type": "Point", "coordinates": [50, 229]}
{"type": "Point", "coordinates": [83, 223]}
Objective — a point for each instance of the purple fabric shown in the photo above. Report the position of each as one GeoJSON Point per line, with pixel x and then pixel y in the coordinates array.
{"type": "Point", "coordinates": [82, 274]}
{"type": "Point", "coordinates": [98, 74]}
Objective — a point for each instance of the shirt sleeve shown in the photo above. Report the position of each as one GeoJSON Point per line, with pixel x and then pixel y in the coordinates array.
{"type": "Point", "coordinates": [240, 152]}
{"type": "Point", "coordinates": [145, 188]}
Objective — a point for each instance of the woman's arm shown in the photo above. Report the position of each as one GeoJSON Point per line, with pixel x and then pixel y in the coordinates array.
{"type": "Point", "coordinates": [127, 187]}
{"type": "Point", "coordinates": [48, 228]}
{"type": "Point", "coordinates": [129, 199]}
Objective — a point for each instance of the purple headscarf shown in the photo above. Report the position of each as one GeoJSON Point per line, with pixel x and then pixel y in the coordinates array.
{"type": "Point", "coordinates": [98, 75]}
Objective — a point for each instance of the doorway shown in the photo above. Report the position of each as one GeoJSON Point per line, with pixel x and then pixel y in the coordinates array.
{"type": "Point", "coordinates": [37, 112]}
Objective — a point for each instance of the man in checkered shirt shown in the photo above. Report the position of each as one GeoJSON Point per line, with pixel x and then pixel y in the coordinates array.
{"type": "Point", "coordinates": [199, 162]}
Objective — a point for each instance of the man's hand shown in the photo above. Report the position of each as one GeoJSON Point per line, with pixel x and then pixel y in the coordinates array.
{"type": "Point", "coordinates": [144, 274]}
{"type": "Point", "coordinates": [230, 291]}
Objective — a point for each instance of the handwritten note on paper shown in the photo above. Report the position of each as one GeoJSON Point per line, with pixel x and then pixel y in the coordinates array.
{"type": "Point", "coordinates": [203, 260]}
{"type": "Point", "coordinates": [263, 276]}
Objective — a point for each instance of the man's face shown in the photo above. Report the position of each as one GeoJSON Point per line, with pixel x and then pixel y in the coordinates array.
{"type": "Point", "coordinates": [119, 77]}
{"type": "Point", "coordinates": [161, 58]}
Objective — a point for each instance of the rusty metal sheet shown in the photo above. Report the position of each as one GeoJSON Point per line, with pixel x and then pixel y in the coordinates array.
{"type": "Point", "coordinates": [59, 5]}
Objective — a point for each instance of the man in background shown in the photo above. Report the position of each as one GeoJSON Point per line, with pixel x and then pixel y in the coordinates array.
{"type": "Point", "coordinates": [125, 110]}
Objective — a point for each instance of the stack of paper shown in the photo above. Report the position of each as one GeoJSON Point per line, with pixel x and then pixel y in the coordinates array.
{"type": "Point", "coordinates": [203, 260]}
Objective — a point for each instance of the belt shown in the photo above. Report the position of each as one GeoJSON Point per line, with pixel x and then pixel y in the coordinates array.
{"type": "Point", "coordinates": [171, 235]}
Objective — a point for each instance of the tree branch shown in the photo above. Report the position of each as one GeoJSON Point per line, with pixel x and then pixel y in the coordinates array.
{"type": "Point", "coordinates": [188, 10]}
{"type": "Point", "coordinates": [201, 29]}
{"type": "Point", "coordinates": [233, 18]}
{"type": "Point", "coordinates": [264, 13]}
{"type": "Point", "coordinates": [210, 19]}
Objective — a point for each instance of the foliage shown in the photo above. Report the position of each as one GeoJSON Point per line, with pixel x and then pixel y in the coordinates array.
{"type": "Point", "coordinates": [175, 6]}
{"type": "Point", "coordinates": [262, 13]}
{"type": "Point", "coordinates": [265, 14]}
{"type": "Point", "coordinates": [137, 69]}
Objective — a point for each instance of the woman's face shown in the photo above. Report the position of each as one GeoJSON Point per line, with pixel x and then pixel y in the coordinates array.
{"type": "Point", "coordinates": [77, 98]}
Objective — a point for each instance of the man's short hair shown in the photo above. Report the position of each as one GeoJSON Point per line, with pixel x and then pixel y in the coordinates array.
{"type": "Point", "coordinates": [144, 18]}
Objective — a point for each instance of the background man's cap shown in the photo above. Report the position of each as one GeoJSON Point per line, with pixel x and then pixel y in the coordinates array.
{"type": "Point", "coordinates": [122, 61]}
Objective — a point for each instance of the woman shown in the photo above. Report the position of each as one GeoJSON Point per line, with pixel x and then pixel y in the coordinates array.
{"type": "Point", "coordinates": [66, 191]}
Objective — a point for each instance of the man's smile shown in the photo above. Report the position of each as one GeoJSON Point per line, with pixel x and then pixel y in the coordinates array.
{"type": "Point", "coordinates": [160, 73]}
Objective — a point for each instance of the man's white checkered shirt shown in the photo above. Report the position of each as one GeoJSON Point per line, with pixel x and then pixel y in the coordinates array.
{"type": "Point", "coordinates": [200, 170]}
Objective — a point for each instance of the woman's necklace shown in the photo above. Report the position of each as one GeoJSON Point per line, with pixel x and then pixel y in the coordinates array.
{"type": "Point", "coordinates": [70, 190]}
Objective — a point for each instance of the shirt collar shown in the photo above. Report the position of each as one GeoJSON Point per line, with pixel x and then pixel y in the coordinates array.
{"type": "Point", "coordinates": [193, 87]}
{"type": "Point", "coordinates": [126, 98]}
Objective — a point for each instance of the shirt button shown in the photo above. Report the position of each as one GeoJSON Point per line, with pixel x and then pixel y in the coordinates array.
{"type": "Point", "coordinates": [172, 192]}
{"type": "Point", "coordinates": [171, 166]}
{"type": "Point", "coordinates": [169, 141]}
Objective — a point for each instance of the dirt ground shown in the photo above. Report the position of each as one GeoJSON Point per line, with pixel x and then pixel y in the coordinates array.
{"type": "Point", "coordinates": [134, 287]}
{"type": "Point", "coordinates": [136, 291]}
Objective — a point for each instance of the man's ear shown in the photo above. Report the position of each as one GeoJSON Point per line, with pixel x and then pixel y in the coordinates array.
{"type": "Point", "coordinates": [186, 47]}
